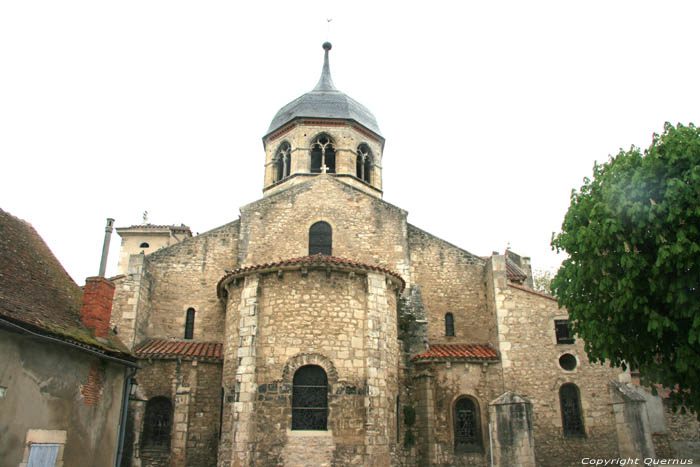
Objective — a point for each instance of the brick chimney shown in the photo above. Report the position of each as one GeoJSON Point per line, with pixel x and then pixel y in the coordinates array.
{"type": "Point", "coordinates": [97, 305]}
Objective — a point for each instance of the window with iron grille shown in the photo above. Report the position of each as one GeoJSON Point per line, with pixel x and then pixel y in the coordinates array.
{"type": "Point", "coordinates": [157, 423]}
{"type": "Point", "coordinates": [564, 336]}
{"type": "Point", "coordinates": [320, 239]}
{"type": "Point", "coordinates": [310, 399]}
{"type": "Point", "coordinates": [449, 325]}
{"type": "Point", "coordinates": [189, 323]}
{"type": "Point", "coordinates": [466, 425]}
{"type": "Point", "coordinates": [571, 410]}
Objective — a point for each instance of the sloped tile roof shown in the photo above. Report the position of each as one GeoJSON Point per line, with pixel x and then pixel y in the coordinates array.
{"type": "Point", "coordinates": [457, 352]}
{"type": "Point", "coordinates": [513, 272]}
{"type": "Point", "coordinates": [317, 260]}
{"type": "Point", "coordinates": [187, 349]}
{"type": "Point", "coordinates": [38, 295]}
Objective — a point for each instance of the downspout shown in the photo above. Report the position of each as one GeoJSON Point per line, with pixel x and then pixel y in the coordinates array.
{"type": "Point", "coordinates": [128, 382]}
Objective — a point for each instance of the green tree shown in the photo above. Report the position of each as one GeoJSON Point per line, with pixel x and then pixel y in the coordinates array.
{"type": "Point", "coordinates": [631, 282]}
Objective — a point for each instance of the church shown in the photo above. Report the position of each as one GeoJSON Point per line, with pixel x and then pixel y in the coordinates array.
{"type": "Point", "coordinates": [322, 328]}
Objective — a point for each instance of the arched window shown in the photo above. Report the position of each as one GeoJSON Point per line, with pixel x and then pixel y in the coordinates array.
{"type": "Point", "coordinates": [144, 245]}
{"type": "Point", "coordinates": [571, 410]}
{"type": "Point", "coordinates": [189, 323]}
{"type": "Point", "coordinates": [449, 324]}
{"type": "Point", "coordinates": [467, 426]}
{"type": "Point", "coordinates": [283, 161]}
{"type": "Point", "coordinates": [157, 423]}
{"type": "Point", "coordinates": [364, 163]}
{"type": "Point", "coordinates": [310, 399]}
{"type": "Point", "coordinates": [322, 155]}
{"type": "Point", "coordinates": [320, 239]}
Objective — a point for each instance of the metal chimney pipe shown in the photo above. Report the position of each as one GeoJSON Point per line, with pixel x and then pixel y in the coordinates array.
{"type": "Point", "coordinates": [105, 246]}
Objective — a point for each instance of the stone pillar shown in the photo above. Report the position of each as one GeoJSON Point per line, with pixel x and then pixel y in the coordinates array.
{"type": "Point", "coordinates": [137, 410]}
{"type": "Point", "coordinates": [512, 442]}
{"type": "Point", "coordinates": [378, 345]}
{"type": "Point", "coordinates": [245, 386]}
{"type": "Point", "coordinates": [425, 419]}
{"type": "Point", "coordinates": [632, 422]}
{"type": "Point", "coordinates": [178, 445]}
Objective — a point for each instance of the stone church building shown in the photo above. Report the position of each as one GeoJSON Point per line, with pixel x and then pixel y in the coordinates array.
{"type": "Point", "coordinates": [321, 328]}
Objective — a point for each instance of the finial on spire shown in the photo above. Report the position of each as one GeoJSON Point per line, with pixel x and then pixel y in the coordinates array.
{"type": "Point", "coordinates": [326, 82]}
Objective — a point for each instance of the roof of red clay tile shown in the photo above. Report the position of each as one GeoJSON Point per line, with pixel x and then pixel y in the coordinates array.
{"type": "Point", "coordinates": [187, 349]}
{"type": "Point", "coordinates": [458, 352]}
{"type": "Point", "coordinates": [38, 295]}
{"type": "Point", "coordinates": [513, 272]}
{"type": "Point", "coordinates": [318, 260]}
{"type": "Point", "coordinates": [532, 291]}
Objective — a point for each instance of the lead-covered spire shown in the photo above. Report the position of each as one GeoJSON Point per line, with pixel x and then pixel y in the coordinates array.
{"type": "Point", "coordinates": [325, 83]}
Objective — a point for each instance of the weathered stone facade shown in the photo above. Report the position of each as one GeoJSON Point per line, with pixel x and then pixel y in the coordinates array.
{"type": "Point", "coordinates": [427, 354]}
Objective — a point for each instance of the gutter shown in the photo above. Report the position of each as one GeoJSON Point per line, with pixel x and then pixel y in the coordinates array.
{"type": "Point", "coordinates": [101, 355]}
{"type": "Point", "coordinates": [128, 382]}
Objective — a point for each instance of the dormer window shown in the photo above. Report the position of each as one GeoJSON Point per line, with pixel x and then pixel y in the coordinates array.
{"type": "Point", "coordinates": [322, 155]}
{"type": "Point", "coordinates": [364, 163]}
{"type": "Point", "coordinates": [283, 161]}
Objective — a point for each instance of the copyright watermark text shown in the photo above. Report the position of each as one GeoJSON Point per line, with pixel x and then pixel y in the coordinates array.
{"type": "Point", "coordinates": [634, 461]}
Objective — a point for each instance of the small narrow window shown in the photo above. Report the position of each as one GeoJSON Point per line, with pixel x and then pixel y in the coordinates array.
{"type": "Point", "coordinates": [364, 163]}
{"type": "Point", "coordinates": [320, 239]}
{"type": "Point", "coordinates": [571, 410]}
{"type": "Point", "coordinates": [561, 327]}
{"type": "Point", "coordinates": [310, 399]}
{"type": "Point", "coordinates": [322, 155]}
{"type": "Point", "coordinates": [189, 324]}
{"type": "Point", "coordinates": [466, 425]}
{"type": "Point", "coordinates": [157, 423]}
{"type": "Point", "coordinates": [449, 325]}
{"type": "Point", "coordinates": [144, 245]}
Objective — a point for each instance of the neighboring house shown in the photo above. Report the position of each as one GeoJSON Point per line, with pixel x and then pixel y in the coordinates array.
{"type": "Point", "coordinates": [63, 372]}
{"type": "Point", "coordinates": [322, 328]}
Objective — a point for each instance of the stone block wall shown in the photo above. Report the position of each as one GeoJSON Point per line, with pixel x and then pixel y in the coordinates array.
{"type": "Point", "coordinates": [436, 388]}
{"type": "Point", "coordinates": [131, 308]}
{"type": "Point", "coordinates": [451, 280]}
{"type": "Point", "coordinates": [530, 359]}
{"type": "Point", "coordinates": [343, 321]}
{"type": "Point", "coordinates": [365, 229]}
{"type": "Point", "coordinates": [184, 276]}
{"type": "Point", "coordinates": [194, 389]}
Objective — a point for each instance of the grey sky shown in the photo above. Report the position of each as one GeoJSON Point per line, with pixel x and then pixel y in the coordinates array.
{"type": "Point", "coordinates": [492, 111]}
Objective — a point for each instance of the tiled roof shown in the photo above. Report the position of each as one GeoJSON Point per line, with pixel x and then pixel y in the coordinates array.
{"type": "Point", "coordinates": [318, 260]}
{"type": "Point", "coordinates": [458, 352]}
{"type": "Point", "coordinates": [189, 350]}
{"type": "Point", "coordinates": [38, 295]}
{"type": "Point", "coordinates": [513, 272]}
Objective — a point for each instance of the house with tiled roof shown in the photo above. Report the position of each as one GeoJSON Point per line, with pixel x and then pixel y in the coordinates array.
{"type": "Point", "coordinates": [63, 372]}
{"type": "Point", "coordinates": [321, 327]}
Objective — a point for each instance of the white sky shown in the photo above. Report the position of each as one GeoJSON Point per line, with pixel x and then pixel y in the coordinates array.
{"type": "Point", "coordinates": [492, 111]}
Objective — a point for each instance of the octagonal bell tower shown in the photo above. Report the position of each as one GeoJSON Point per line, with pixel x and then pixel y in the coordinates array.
{"type": "Point", "coordinates": [323, 132]}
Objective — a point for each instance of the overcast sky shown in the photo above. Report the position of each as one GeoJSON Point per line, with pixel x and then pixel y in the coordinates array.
{"type": "Point", "coordinates": [492, 111]}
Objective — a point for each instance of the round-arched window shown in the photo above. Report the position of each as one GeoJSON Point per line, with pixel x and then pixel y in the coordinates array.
{"type": "Point", "coordinates": [310, 399]}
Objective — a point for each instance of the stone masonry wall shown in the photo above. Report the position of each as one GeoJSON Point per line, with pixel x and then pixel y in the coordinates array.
{"type": "Point", "coordinates": [131, 308]}
{"type": "Point", "coordinates": [194, 389]}
{"type": "Point", "coordinates": [530, 355]}
{"type": "Point", "coordinates": [365, 229]}
{"type": "Point", "coordinates": [448, 381]}
{"type": "Point", "coordinates": [344, 322]}
{"type": "Point", "coordinates": [184, 276]}
{"type": "Point", "coordinates": [451, 280]}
